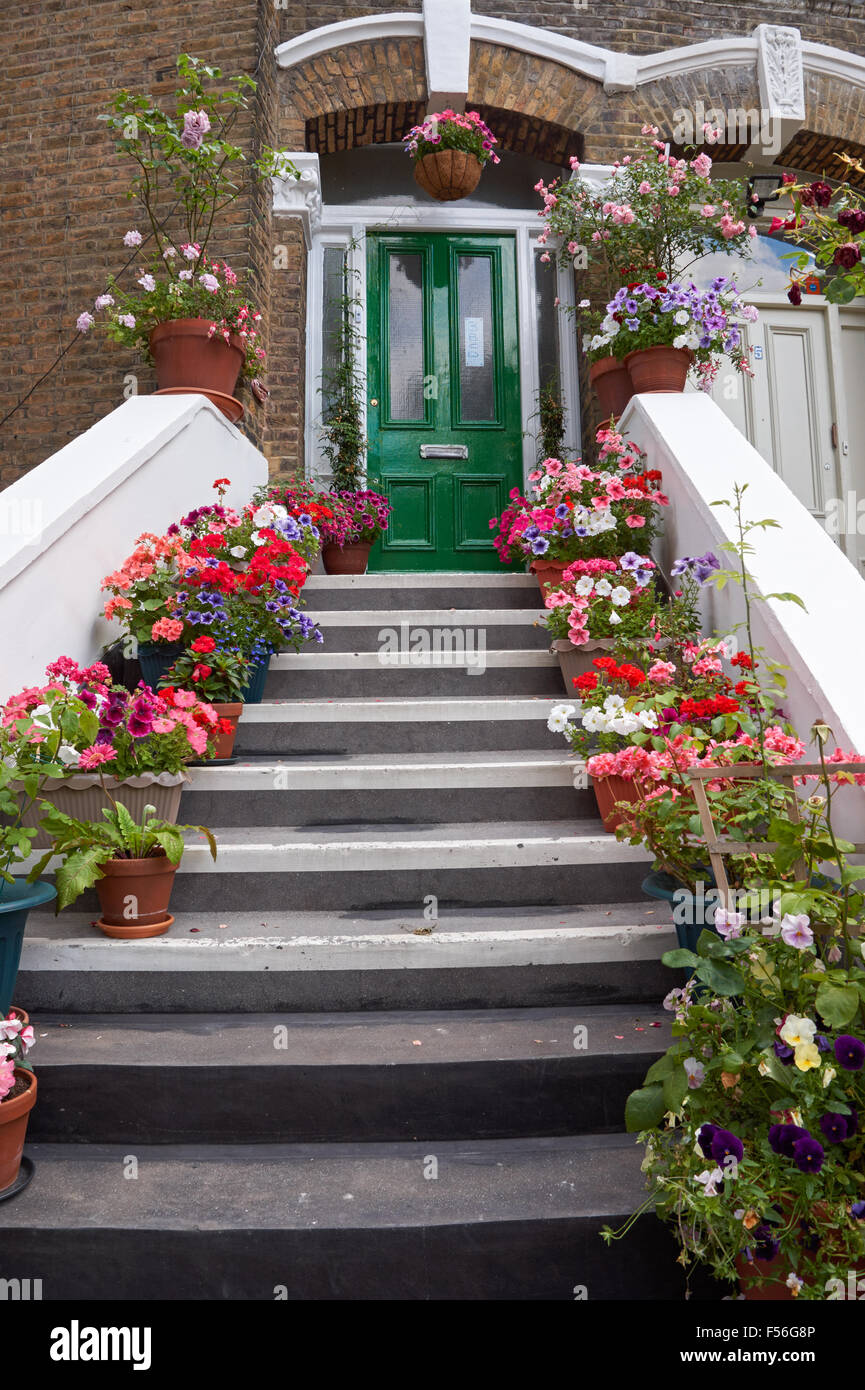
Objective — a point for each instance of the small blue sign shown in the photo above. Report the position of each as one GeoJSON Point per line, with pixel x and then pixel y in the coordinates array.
{"type": "Point", "coordinates": [758, 351]}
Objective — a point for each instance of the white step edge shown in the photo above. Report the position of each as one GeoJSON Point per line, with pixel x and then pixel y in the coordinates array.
{"type": "Point", "coordinates": [443, 710]}
{"type": "Point", "coordinates": [179, 951]}
{"type": "Point", "coordinates": [375, 850]}
{"type": "Point", "coordinates": [427, 617]}
{"type": "Point", "coordinates": [455, 579]}
{"type": "Point", "coordinates": [391, 773]}
{"type": "Point", "coordinates": [370, 661]}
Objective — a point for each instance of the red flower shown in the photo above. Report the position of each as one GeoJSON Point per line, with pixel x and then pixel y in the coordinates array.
{"type": "Point", "coordinates": [587, 681]}
{"type": "Point", "coordinates": [203, 644]}
{"type": "Point", "coordinates": [224, 726]}
{"type": "Point", "coordinates": [743, 660]}
{"type": "Point", "coordinates": [200, 672]}
{"type": "Point", "coordinates": [222, 482]}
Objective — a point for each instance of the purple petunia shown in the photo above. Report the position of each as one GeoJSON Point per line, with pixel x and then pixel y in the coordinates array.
{"type": "Point", "coordinates": [849, 1052]}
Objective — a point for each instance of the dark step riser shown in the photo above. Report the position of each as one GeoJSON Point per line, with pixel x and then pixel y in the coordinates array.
{"type": "Point", "coordinates": [423, 683]}
{"type": "Point", "coordinates": [404, 736]}
{"type": "Point", "coordinates": [406, 601]}
{"type": "Point", "coordinates": [474, 1261]}
{"type": "Point", "coordinates": [412, 806]}
{"type": "Point", "coordinates": [262, 1104]}
{"type": "Point", "coordinates": [334, 991]}
{"type": "Point", "coordinates": [535, 885]}
{"type": "Point", "coordinates": [473, 637]}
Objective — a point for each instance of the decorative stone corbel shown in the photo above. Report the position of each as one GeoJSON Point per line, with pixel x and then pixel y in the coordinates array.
{"type": "Point", "coordinates": [300, 195]}
{"type": "Point", "coordinates": [447, 43]}
{"type": "Point", "coordinates": [782, 90]}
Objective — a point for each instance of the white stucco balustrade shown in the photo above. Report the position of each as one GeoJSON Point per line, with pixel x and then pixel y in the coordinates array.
{"type": "Point", "coordinates": [75, 518]}
{"type": "Point", "coordinates": [703, 456]}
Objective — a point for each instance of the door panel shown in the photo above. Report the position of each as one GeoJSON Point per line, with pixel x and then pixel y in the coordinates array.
{"type": "Point", "coordinates": [444, 416]}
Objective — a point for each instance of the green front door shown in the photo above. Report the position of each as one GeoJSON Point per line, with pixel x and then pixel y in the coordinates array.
{"type": "Point", "coordinates": [444, 418]}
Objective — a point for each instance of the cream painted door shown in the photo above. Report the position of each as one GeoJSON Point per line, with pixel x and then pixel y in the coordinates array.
{"type": "Point", "coordinates": [851, 431]}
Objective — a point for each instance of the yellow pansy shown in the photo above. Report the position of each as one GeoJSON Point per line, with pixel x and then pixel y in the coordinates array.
{"type": "Point", "coordinates": [807, 1056]}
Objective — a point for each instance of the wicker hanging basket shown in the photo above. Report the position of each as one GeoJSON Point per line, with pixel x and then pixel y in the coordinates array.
{"type": "Point", "coordinates": [447, 175]}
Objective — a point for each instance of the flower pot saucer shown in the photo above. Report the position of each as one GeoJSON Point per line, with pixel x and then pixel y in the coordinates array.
{"type": "Point", "coordinates": [214, 762]}
{"type": "Point", "coordinates": [25, 1175]}
{"type": "Point", "coordinates": [133, 933]}
{"type": "Point", "coordinates": [230, 406]}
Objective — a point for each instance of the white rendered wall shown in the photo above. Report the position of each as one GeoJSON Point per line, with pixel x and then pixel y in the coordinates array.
{"type": "Point", "coordinates": [702, 455]}
{"type": "Point", "coordinates": [75, 518]}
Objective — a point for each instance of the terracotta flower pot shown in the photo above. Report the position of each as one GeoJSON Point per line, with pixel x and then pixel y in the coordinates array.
{"type": "Point", "coordinates": [346, 559]}
{"type": "Point", "coordinates": [187, 358]}
{"type": "Point", "coordinates": [657, 369]}
{"type": "Point", "coordinates": [134, 896]}
{"type": "Point", "coordinates": [225, 742]}
{"type": "Point", "coordinates": [448, 174]}
{"type": "Point", "coordinates": [611, 382]}
{"type": "Point", "coordinates": [548, 572]}
{"type": "Point", "coordinates": [14, 1115]}
{"type": "Point", "coordinates": [609, 790]}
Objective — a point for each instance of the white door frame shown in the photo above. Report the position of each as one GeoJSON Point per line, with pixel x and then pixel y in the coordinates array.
{"type": "Point", "coordinates": [348, 224]}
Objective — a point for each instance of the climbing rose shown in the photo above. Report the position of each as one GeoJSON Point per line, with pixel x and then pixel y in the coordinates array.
{"type": "Point", "coordinates": [196, 124]}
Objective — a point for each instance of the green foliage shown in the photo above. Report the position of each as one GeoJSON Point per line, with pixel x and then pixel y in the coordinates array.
{"type": "Point", "coordinates": [342, 386]}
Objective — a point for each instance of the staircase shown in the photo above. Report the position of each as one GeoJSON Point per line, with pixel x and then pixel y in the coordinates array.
{"type": "Point", "coordinates": [384, 1051]}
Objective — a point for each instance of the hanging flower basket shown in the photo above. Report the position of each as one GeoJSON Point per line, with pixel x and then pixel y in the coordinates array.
{"type": "Point", "coordinates": [448, 175]}
{"type": "Point", "coordinates": [449, 151]}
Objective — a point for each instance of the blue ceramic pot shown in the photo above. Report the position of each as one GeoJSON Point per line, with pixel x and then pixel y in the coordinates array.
{"type": "Point", "coordinates": [254, 691]}
{"type": "Point", "coordinates": [157, 658]}
{"type": "Point", "coordinates": [692, 913]}
{"type": "Point", "coordinates": [16, 900]}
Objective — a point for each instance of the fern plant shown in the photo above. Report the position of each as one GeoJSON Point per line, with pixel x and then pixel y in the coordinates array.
{"type": "Point", "coordinates": [85, 847]}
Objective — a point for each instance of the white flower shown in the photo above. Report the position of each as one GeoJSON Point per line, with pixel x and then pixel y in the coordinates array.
{"type": "Point", "coordinates": [620, 596]}
{"type": "Point", "coordinates": [648, 718]}
{"type": "Point", "coordinates": [709, 1179]}
{"type": "Point", "coordinates": [829, 1075]}
{"type": "Point", "coordinates": [624, 724]}
{"type": "Point", "coordinates": [584, 586]}
{"type": "Point", "coordinates": [560, 718]}
{"type": "Point", "coordinates": [133, 239]}
{"type": "Point", "coordinates": [147, 282]}
{"type": "Point", "coordinates": [681, 316]}
{"type": "Point", "coordinates": [595, 721]}
{"type": "Point", "coordinates": [67, 755]}
{"type": "Point", "coordinates": [184, 274]}
{"type": "Point", "coordinates": [603, 588]}
{"type": "Point", "coordinates": [797, 1030]}
{"type": "Point", "coordinates": [614, 618]}
{"type": "Point", "coordinates": [794, 1283]}
{"type": "Point", "coordinates": [613, 702]}
{"type": "Point", "coordinates": [258, 539]}
{"type": "Point", "coordinates": [695, 1072]}
{"type": "Point", "coordinates": [262, 516]}
{"type": "Point", "coordinates": [238, 551]}
{"type": "Point", "coordinates": [584, 304]}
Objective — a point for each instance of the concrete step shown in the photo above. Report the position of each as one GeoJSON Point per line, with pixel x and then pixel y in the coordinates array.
{"type": "Point", "coordinates": [353, 868]}
{"type": "Point", "coordinates": [503, 1219]}
{"type": "Point", "coordinates": [407, 592]}
{"type": "Point", "coordinates": [327, 675]}
{"type": "Point", "coordinates": [408, 788]}
{"type": "Point", "coordinates": [446, 724]}
{"type": "Point", "coordinates": [257, 962]}
{"type": "Point", "coordinates": [325, 1078]}
{"type": "Point", "coordinates": [443, 630]}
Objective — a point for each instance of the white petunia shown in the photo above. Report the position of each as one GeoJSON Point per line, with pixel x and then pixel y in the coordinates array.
{"type": "Point", "coordinates": [603, 588]}
{"type": "Point", "coordinates": [584, 586]}
{"type": "Point", "coordinates": [620, 596]}
{"type": "Point", "coordinates": [614, 618]}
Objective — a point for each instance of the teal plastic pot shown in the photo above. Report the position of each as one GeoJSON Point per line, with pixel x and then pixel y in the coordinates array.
{"type": "Point", "coordinates": [692, 913]}
{"type": "Point", "coordinates": [156, 659]}
{"type": "Point", "coordinates": [254, 692]}
{"type": "Point", "coordinates": [16, 900]}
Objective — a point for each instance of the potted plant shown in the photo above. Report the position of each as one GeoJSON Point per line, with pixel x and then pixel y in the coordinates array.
{"type": "Point", "coordinates": [830, 221]}
{"type": "Point", "coordinates": [563, 519]}
{"type": "Point", "coordinates": [131, 862]}
{"type": "Point", "coordinates": [92, 735]}
{"type": "Point", "coordinates": [20, 784]}
{"type": "Point", "coordinates": [653, 218]}
{"type": "Point", "coordinates": [188, 312]}
{"type": "Point", "coordinates": [598, 604]}
{"type": "Point", "coordinates": [17, 1095]}
{"type": "Point", "coordinates": [660, 332]}
{"type": "Point", "coordinates": [450, 150]}
{"type": "Point", "coordinates": [751, 1120]}
{"type": "Point", "coordinates": [357, 520]}
{"type": "Point", "coordinates": [218, 677]}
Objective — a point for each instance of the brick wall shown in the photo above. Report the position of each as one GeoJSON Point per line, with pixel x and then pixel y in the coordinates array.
{"type": "Point", "coordinates": [64, 215]}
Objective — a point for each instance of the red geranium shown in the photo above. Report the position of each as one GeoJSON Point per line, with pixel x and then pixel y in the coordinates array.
{"type": "Point", "coordinates": [204, 644]}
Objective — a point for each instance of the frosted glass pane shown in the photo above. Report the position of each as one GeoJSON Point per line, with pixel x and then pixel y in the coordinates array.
{"type": "Point", "coordinates": [405, 335]}
{"type": "Point", "coordinates": [477, 369]}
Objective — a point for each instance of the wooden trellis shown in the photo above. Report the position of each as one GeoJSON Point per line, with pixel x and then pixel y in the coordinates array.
{"type": "Point", "coordinates": [718, 846]}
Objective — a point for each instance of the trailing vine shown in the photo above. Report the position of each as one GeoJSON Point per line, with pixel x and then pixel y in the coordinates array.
{"type": "Point", "coordinates": [342, 386]}
{"type": "Point", "coordinates": [550, 415]}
